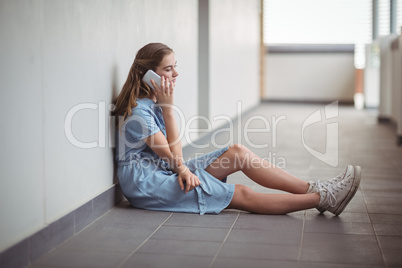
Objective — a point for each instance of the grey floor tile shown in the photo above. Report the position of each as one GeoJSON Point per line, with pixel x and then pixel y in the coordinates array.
{"type": "Point", "coordinates": [224, 220]}
{"type": "Point", "coordinates": [339, 241]}
{"type": "Point", "coordinates": [394, 193]}
{"type": "Point", "coordinates": [386, 218]}
{"type": "Point", "coordinates": [269, 222]}
{"type": "Point", "coordinates": [254, 263]}
{"type": "Point", "coordinates": [357, 255]}
{"type": "Point", "coordinates": [383, 201]}
{"type": "Point", "coordinates": [260, 251]}
{"type": "Point", "coordinates": [338, 227]}
{"type": "Point", "coordinates": [385, 186]}
{"type": "Point", "coordinates": [385, 209]}
{"type": "Point", "coordinates": [178, 247]}
{"type": "Point", "coordinates": [388, 229]}
{"type": "Point", "coordinates": [383, 175]}
{"type": "Point", "coordinates": [379, 162]}
{"type": "Point", "coordinates": [103, 236]}
{"type": "Point", "coordinates": [135, 216]}
{"type": "Point", "coordinates": [390, 242]}
{"type": "Point", "coordinates": [166, 261]}
{"type": "Point", "coordinates": [48, 266]}
{"type": "Point", "coordinates": [81, 258]}
{"type": "Point", "coordinates": [380, 179]}
{"type": "Point", "coordinates": [191, 233]}
{"type": "Point", "coordinates": [392, 257]}
{"type": "Point", "coordinates": [335, 265]}
{"type": "Point", "coordinates": [395, 154]}
{"type": "Point", "coordinates": [288, 237]}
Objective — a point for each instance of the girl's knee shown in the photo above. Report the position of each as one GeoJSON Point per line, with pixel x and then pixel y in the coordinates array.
{"type": "Point", "coordinates": [242, 198]}
{"type": "Point", "coordinates": [239, 155]}
{"type": "Point", "coordinates": [239, 150]}
{"type": "Point", "coordinates": [238, 147]}
{"type": "Point", "coordinates": [244, 194]}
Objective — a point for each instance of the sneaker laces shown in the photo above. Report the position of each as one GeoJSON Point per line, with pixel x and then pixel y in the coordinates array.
{"type": "Point", "coordinates": [330, 190]}
{"type": "Point", "coordinates": [328, 182]}
{"type": "Point", "coordinates": [340, 176]}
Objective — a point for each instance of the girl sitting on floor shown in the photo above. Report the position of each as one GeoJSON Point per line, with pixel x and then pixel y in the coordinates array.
{"type": "Point", "coordinates": [153, 174]}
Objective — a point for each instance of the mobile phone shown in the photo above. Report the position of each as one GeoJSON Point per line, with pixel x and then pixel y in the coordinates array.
{"type": "Point", "coordinates": [151, 75]}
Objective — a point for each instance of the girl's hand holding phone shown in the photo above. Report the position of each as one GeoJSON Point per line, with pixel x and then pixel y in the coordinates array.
{"type": "Point", "coordinates": [164, 92]}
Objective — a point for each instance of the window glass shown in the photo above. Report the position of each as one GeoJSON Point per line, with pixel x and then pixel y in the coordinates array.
{"type": "Point", "coordinates": [319, 22]}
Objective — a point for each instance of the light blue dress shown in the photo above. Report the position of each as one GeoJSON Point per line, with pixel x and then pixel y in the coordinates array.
{"type": "Point", "coordinates": [148, 182]}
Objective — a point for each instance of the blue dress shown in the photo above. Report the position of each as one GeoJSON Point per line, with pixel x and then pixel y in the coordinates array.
{"type": "Point", "coordinates": [147, 181]}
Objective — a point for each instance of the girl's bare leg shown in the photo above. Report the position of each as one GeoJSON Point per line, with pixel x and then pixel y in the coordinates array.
{"type": "Point", "coordinates": [246, 199]}
{"type": "Point", "coordinates": [238, 157]}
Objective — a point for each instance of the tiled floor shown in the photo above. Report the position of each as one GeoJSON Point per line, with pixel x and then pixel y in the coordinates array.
{"type": "Point", "coordinates": [367, 234]}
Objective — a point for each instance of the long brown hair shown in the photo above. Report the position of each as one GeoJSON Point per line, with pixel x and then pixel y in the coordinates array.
{"type": "Point", "coordinates": [148, 58]}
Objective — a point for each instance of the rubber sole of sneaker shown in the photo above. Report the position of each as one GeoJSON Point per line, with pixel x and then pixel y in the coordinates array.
{"type": "Point", "coordinates": [352, 192]}
{"type": "Point", "coordinates": [322, 210]}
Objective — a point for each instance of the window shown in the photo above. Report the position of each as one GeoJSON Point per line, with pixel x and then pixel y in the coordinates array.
{"type": "Point", "coordinates": [319, 22]}
{"type": "Point", "coordinates": [384, 17]}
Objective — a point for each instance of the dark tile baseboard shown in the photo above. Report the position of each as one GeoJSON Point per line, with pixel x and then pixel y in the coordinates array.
{"type": "Point", "coordinates": [32, 248]}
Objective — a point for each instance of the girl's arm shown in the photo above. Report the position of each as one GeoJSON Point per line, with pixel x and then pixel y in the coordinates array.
{"type": "Point", "coordinates": [169, 149]}
{"type": "Point", "coordinates": [164, 95]}
{"type": "Point", "coordinates": [159, 144]}
{"type": "Point", "coordinates": [172, 133]}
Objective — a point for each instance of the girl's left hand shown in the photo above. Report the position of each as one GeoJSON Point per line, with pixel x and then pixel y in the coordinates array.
{"type": "Point", "coordinates": [164, 91]}
{"type": "Point", "coordinates": [191, 180]}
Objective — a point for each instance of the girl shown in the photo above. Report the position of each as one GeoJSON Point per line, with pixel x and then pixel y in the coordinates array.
{"type": "Point", "coordinates": [153, 175]}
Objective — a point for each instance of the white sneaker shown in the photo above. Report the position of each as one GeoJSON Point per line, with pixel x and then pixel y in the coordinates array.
{"type": "Point", "coordinates": [316, 186]}
{"type": "Point", "coordinates": [335, 197]}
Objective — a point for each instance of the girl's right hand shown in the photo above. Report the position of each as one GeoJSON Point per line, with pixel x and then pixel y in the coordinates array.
{"type": "Point", "coordinates": [164, 91]}
{"type": "Point", "coordinates": [187, 177]}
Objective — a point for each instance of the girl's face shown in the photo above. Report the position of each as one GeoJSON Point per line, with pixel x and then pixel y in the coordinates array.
{"type": "Point", "coordinates": [167, 68]}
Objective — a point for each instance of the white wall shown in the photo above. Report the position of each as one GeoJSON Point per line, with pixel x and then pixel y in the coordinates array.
{"type": "Point", "coordinates": [22, 145]}
{"type": "Point", "coordinates": [234, 57]}
{"type": "Point", "coordinates": [305, 76]}
{"type": "Point", "coordinates": [54, 56]}
{"type": "Point", "coordinates": [385, 90]}
{"type": "Point", "coordinates": [372, 75]}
